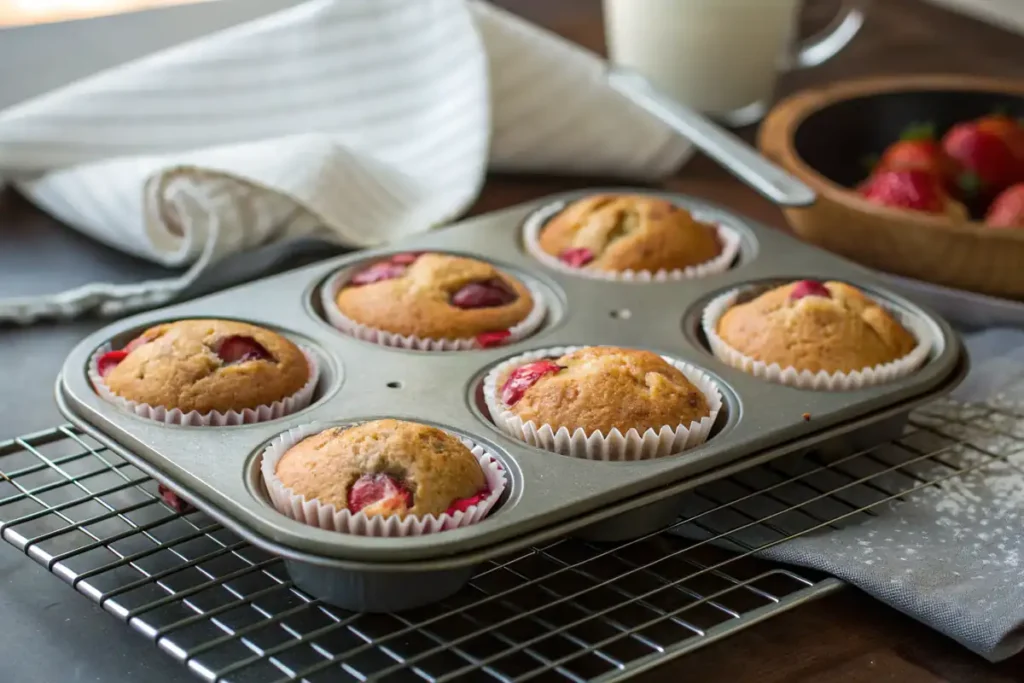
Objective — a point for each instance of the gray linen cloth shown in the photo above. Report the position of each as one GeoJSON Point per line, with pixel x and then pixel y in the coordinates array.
{"type": "Point", "coordinates": [950, 555]}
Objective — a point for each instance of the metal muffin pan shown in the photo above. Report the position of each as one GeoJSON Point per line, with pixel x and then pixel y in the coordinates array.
{"type": "Point", "coordinates": [549, 495]}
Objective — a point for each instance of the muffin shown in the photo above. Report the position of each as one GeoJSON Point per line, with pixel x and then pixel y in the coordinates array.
{"type": "Point", "coordinates": [383, 474]}
{"type": "Point", "coordinates": [207, 367]}
{"type": "Point", "coordinates": [809, 328]}
{"type": "Point", "coordinates": [612, 234]}
{"type": "Point", "coordinates": [602, 402]}
{"type": "Point", "coordinates": [433, 301]}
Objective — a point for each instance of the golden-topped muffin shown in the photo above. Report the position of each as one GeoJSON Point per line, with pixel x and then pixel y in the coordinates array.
{"type": "Point", "coordinates": [386, 468]}
{"type": "Point", "coordinates": [815, 326]}
{"type": "Point", "coordinates": [628, 232]}
{"type": "Point", "coordinates": [435, 296]}
{"type": "Point", "coordinates": [205, 365]}
{"type": "Point", "coordinates": [601, 388]}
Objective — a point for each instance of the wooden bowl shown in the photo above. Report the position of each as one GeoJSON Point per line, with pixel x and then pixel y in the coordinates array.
{"type": "Point", "coordinates": [823, 137]}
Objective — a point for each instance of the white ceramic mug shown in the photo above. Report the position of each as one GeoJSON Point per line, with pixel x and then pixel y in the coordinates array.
{"type": "Point", "coordinates": [721, 57]}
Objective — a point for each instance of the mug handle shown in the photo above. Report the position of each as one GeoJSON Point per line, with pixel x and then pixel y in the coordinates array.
{"type": "Point", "coordinates": [826, 44]}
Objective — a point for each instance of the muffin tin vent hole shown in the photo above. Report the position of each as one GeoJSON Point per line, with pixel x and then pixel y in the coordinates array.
{"type": "Point", "coordinates": [621, 314]}
{"type": "Point", "coordinates": [394, 385]}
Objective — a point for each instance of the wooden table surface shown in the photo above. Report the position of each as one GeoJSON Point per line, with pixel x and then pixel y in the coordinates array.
{"type": "Point", "coordinates": [849, 637]}
{"type": "Point", "coordinates": [846, 638]}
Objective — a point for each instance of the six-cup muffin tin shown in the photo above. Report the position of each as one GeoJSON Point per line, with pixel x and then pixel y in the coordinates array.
{"type": "Point", "coordinates": [217, 468]}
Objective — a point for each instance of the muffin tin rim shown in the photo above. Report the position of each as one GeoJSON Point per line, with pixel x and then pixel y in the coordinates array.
{"type": "Point", "coordinates": [901, 393]}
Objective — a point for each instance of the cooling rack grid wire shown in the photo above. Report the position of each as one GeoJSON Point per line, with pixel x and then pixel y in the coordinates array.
{"type": "Point", "coordinates": [567, 610]}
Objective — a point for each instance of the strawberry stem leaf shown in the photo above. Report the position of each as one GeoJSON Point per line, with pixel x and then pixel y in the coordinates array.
{"type": "Point", "coordinates": [920, 130]}
{"type": "Point", "coordinates": [870, 162]}
{"type": "Point", "coordinates": [969, 183]}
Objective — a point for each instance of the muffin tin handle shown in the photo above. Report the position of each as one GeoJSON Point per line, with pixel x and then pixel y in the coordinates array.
{"type": "Point", "coordinates": [735, 155]}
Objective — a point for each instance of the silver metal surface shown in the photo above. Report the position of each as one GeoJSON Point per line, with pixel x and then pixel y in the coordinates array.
{"type": "Point", "coordinates": [562, 610]}
{"type": "Point", "coordinates": [735, 155]}
{"type": "Point", "coordinates": [551, 495]}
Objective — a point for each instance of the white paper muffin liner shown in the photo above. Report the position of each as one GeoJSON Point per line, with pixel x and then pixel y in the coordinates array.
{"type": "Point", "coordinates": [315, 513]}
{"type": "Point", "coordinates": [805, 379]}
{"type": "Point", "coordinates": [632, 445]}
{"type": "Point", "coordinates": [729, 239]}
{"type": "Point", "coordinates": [270, 411]}
{"type": "Point", "coordinates": [328, 299]}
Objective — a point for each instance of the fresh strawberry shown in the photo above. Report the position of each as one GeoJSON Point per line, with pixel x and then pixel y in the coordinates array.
{"type": "Point", "coordinates": [988, 161]}
{"type": "Point", "coordinates": [918, 149]}
{"type": "Point", "coordinates": [1007, 211]}
{"type": "Point", "coordinates": [1006, 128]}
{"type": "Point", "coordinates": [912, 190]}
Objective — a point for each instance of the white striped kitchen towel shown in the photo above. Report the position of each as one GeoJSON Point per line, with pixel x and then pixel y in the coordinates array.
{"type": "Point", "coordinates": [357, 121]}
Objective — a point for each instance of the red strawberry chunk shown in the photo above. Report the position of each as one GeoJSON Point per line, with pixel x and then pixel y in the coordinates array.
{"type": "Point", "coordinates": [378, 272]}
{"type": "Point", "coordinates": [488, 340]}
{"type": "Point", "coordinates": [576, 257]}
{"type": "Point", "coordinates": [175, 502]}
{"type": "Point", "coordinates": [809, 288]}
{"type": "Point", "coordinates": [906, 189]}
{"type": "Point", "coordinates": [373, 489]}
{"type": "Point", "coordinates": [406, 258]}
{"type": "Point", "coordinates": [463, 504]}
{"type": "Point", "coordinates": [109, 361]}
{"type": "Point", "coordinates": [1007, 211]}
{"type": "Point", "coordinates": [524, 377]}
{"type": "Point", "coordinates": [239, 349]}
{"type": "Point", "coordinates": [484, 294]}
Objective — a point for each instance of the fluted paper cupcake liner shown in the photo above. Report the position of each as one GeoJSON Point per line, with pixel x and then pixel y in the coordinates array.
{"type": "Point", "coordinates": [315, 513]}
{"type": "Point", "coordinates": [329, 295]}
{"type": "Point", "coordinates": [232, 418]}
{"type": "Point", "coordinates": [805, 379]}
{"type": "Point", "coordinates": [727, 237]}
{"type": "Point", "coordinates": [616, 445]}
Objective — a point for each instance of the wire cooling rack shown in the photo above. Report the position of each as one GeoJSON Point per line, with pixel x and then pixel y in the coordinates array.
{"type": "Point", "coordinates": [568, 610]}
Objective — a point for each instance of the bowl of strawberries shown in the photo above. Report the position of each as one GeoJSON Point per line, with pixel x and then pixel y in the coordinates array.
{"type": "Point", "coordinates": [921, 176]}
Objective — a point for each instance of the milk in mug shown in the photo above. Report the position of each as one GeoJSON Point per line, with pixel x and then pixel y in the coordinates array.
{"type": "Point", "coordinates": [715, 55]}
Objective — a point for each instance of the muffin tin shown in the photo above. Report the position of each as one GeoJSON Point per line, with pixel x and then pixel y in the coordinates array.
{"type": "Point", "coordinates": [549, 495]}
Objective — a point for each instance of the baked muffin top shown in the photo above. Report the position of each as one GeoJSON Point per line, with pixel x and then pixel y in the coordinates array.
{"type": "Point", "coordinates": [813, 326]}
{"type": "Point", "coordinates": [436, 296]}
{"type": "Point", "coordinates": [600, 388]}
{"type": "Point", "coordinates": [205, 365]}
{"type": "Point", "coordinates": [383, 467]}
{"type": "Point", "coordinates": [628, 232]}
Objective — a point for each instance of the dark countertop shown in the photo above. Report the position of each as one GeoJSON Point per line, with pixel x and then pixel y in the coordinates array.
{"type": "Point", "coordinates": [51, 634]}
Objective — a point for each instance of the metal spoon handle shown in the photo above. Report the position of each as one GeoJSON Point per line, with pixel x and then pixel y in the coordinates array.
{"type": "Point", "coordinates": [732, 153]}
